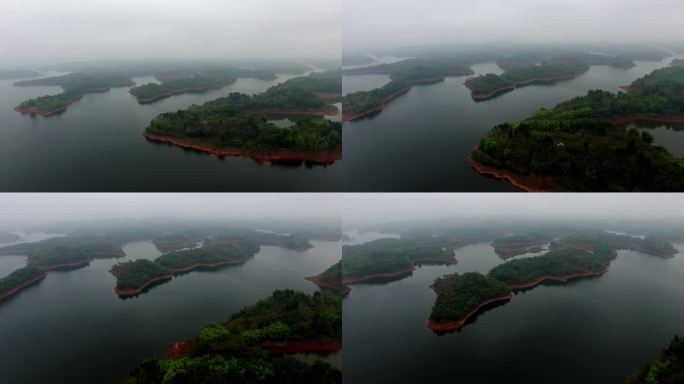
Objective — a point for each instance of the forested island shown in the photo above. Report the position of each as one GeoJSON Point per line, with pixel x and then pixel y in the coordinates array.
{"type": "Point", "coordinates": [53, 254]}
{"type": "Point", "coordinates": [526, 70]}
{"type": "Point", "coordinates": [668, 368]}
{"type": "Point", "coordinates": [75, 86]}
{"type": "Point", "coordinates": [380, 259]}
{"type": "Point", "coordinates": [404, 75]}
{"type": "Point", "coordinates": [520, 244]}
{"type": "Point", "coordinates": [580, 255]}
{"type": "Point", "coordinates": [178, 82]}
{"type": "Point", "coordinates": [133, 277]}
{"type": "Point", "coordinates": [238, 125]}
{"type": "Point", "coordinates": [582, 144]}
{"type": "Point", "coordinates": [256, 344]}
{"type": "Point", "coordinates": [459, 297]}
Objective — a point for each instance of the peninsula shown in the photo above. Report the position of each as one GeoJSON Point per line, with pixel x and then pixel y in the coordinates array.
{"type": "Point", "coordinates": [460, 297]}
{"type": "Point", "coordinates": [526, 71]}
{"type": "Point", "coordinates": [75, 86]}
{"type": "Point", "coordinates": [257, 344]}
{"type": "Point", "coordinates": [404, 75]}
{"type": "Point", "coordinates": [179, 82]}
{"type": "Point", "coordinates": [239, 125]}
{"type": "Point", "coordinates": [582, 144]}
{"type": "Point", "coordinates": [380, 259]}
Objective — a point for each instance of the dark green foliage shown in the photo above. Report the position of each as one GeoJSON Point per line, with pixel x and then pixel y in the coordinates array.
{"type": "Point", "coordinates": [574, 143]}
{"type": "Point", "coordinates": [63, 250]}
{"type": "Point", "coordinates": [133, 274]}
{"type": "Point", "coordinates": [19, 277]}
{"type": "Point", "coordinates": [668, 368]}
{"type": "Point", "coordinates": [229, 353]}
{"type": "Point", "coordinates": [548, 71]}
{"type": "Point", "coordinates": [554, 263]}
{"type": "Point", "coordinates": [363, 101]}
{"type": "Point", "coordinates": [459, 294]}
{"type": "Point", "coordinates": [213, 253]}
{"type": "Point", "coordinates": [307, 317]}
{"type": "Point", "coordinates": [403, 74]}
{"type": "Point", "coordinates": [238, 120]}
{"type": "Point", "coordinates": [75, 86]}
{"type": "Point", "coordinates": [386, 256]}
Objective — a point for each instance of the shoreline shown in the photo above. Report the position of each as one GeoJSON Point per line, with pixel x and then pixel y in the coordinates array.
{"type": "Point", "coordinates": [635, 119]}
{"type": "Point", "coordinates": [301, 347]}
{"type": "Point", "coordinates": [161, 96]}
{"type": "Point", "coordinates": [39, 112]}
{"type": "Point", "coordinates": [75, 264]}
{"type": "Point", "coordinates": [562, 279]}
{"type": "Point", "coordinates": [283, 155]}
{"type": "Point", "coordinates": [22, 286]}
{"type": "Point", "coordinates": [344, 289]}
{"type": "Point", "coordinates": [209, 265]}
{"type": "Point", "coordinates": [460, 323]}
{"type": "Point", "coordinates": [526, 183]}
{"type": "Point", "coordinates": [384, 102]}
{"type": "Point", "coordinates": [516, 84]}
{"type": "Point", "coordinates": [130, 292]}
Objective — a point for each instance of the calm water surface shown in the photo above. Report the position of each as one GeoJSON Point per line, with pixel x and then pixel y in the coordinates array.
{"type": "Point", "coordinates": [588, 331]}
{"type": "Point", "coordinates": [97, 145]}
{"type": "Point", "coordinates": [422, 140]}
{"type": "Point", "coordinates": [72, 328]}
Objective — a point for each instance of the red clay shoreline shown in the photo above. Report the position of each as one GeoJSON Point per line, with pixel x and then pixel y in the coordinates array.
{"type": "Point", "coordinates": [130, 292]}
{"type": "Point", "coordinates": [527, 183]}
{"type": "Point", "coordinates": [210, 265]}
{"type": "Point", "coordinates": [26, 284]}
{"type": "Point", "coordinates": [284, 155]}
{"type": "Point", "coordinates": [40, 112]}
{"type": "Point", "coordinates": [562, 279]}
{"type": "Point", "coordinates": [460, 323]}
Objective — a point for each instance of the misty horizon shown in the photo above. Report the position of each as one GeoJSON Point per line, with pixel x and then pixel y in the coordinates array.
{"type": "Point", "coordinates": [130, 29]}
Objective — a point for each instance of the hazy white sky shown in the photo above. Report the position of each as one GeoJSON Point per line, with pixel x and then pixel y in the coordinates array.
{"type": "Point", "coordinates": [353, 207]}
{"type": "Point", "coordinates": [77, 29]}
{"type": "Point", "coordinates": [391, 23]}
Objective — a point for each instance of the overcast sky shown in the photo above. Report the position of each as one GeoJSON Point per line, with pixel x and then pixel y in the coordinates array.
{"type": "Point", "coordinates": [379, 208]}
{"type": "Point", "coordinates": [41, 208]}
{"type": "Point", "coordinates": [45, 207]}
{"type": "Point", "coordinates": [372, 24]}
{"type": "Point", "coordinates": [56, 30]}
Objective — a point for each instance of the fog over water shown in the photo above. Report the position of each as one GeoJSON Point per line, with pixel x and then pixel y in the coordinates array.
{"type": "Point", "coordinates": [377, 24]}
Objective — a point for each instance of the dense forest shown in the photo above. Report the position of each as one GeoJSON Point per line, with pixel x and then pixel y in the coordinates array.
{"type": "Point", "coordinates": [459, 294]}
{"type": "Point", "coordinates": [668, 368]}
{"type": "Point", "coordinates": [404, 74]}
{"type": "Point", "coordinates": [576, 143]}
{"type": "Point", "coordinates": [56, 251]}
{"type": "Point", "coordinates": [135, 274]}
{"type": "Point", "coordinates": [19, 277]}
{"type": "Point", "coordinates": [208, 254]}
{"type": "Point", "coordinates": [388, 256]}
{"type": "Point", "coordinates": [179, 81]}
{"type": "Point", "coordinates": [554, 263]}
{"type": "Point", "coordinates": [232, 353]}
{"type": "Point", "coordinates": [513, 245]}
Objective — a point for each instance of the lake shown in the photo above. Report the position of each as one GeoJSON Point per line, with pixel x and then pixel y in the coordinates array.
{"type": "Point", "coordinates": [588, 331]}
{"type": "Point", "coordinates": [421, 140]}
{"type": "Point", "coordinates": [72, 328]}
{"type": "Point", "coordinates": [97, 145]}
